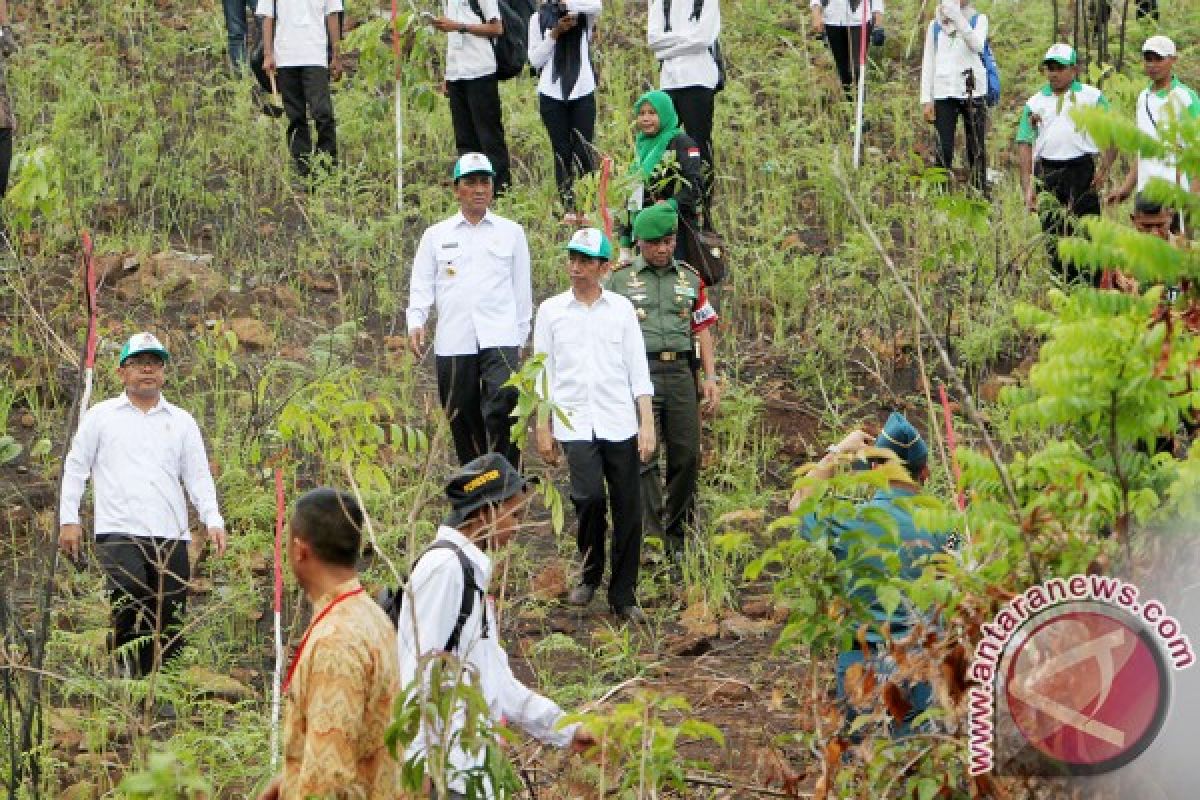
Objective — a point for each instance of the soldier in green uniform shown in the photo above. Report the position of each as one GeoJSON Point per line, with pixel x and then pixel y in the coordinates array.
{"type": "Point", "coordinates": [676, 318]}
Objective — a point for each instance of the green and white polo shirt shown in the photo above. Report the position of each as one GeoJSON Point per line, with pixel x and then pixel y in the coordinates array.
{"type": "Point", "coordinates": [1157, 109]}
{"type": "Point", "coordinates": [1047, 125]}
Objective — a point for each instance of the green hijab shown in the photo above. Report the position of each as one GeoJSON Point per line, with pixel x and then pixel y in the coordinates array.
{"type": "Point", "coordinates": [650, 149]}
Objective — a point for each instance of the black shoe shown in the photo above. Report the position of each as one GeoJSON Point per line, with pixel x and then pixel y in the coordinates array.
{"type": "Point", "coordinates": [631, 614]}
{"type": "Point", "coordinates": [581, 595]}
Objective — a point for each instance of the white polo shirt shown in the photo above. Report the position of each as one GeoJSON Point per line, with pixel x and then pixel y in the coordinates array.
{"type": "Point", "coordinates": [685, 50]}
{"type": "Point", "coordinates": [1157, 109]}
{"type": "Point", "coordinates": [839, 14]}
{"type": "Point", "coordinates": [301, 39]}
{"type": "Point", "coordinates": [541, 53]}
{"type": "Point", "coordinates": [137, 461]}
{"type": "Point", "coordinates": [469, 56]}
{"type": "Point", "coordinates": [477, 277]}
{"type": "Point", "coordinates": [1046, 122]}
{"type": "Point", "coordinates": [431, 603]}
{"type": "Point", "coordinates": [595, 365]}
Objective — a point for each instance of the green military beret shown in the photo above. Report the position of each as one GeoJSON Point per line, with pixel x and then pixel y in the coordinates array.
{"type": "Point", "coordinates": [655, 222]}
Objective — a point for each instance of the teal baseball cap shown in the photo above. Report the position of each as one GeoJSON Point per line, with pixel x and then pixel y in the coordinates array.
{"type": "Point", "coordinates": [144, 342]}
{"type": "Point", "coordinates": [472, 163]}
{"type": "Point", "coordinates": [591, 242]}
{"type": "Point", "coordinates": [1061, 54]}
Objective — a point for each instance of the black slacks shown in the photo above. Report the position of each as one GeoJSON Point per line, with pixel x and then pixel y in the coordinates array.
{"type": "Point", "coordinates": [479, 405]}
{"type": "Point", "coordinates": [6, 148]}
{"type": "Point", "coordinates": [595, 464]}
{"type": "Point", "coordinates": [845, 43]}
{"type": "Point", "coordinates": [571, 126]}
{"type": "Point", "coordinates": [694, 105]}
{"type": "Point", "coordinates": [1071, 184]}
{"type": "Point", "coordinates": [147, 585]}
{"type": "Point", "coordinates": [479, 123]}
{"type": "Point", "coordinates": [305, 93]}
{"type": "Point", "coordinates": [946, 111]}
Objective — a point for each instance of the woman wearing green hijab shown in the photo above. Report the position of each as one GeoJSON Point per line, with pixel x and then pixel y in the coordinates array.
{"type": "Point", "coordinates": [667, 165]}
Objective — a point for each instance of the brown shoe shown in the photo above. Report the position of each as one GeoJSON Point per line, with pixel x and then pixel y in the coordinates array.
{"type": "Point", "coordinates": [581, 595]}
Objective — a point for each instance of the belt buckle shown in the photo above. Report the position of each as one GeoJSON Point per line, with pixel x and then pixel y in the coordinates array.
{"type": "Point", "coordinates": [668, 356]}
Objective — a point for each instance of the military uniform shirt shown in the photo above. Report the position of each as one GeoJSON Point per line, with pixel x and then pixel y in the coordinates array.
{"type": "Point", "coordinates": [670, 303]}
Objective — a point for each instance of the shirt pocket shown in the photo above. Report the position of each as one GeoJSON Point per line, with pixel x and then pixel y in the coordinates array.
{"type": "Point", "coordinates": [499, 258]}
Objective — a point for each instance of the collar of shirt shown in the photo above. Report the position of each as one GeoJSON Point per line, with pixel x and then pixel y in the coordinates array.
{"type": "Point", "coordinates": [324, 600]}
{"type": "Point", "coordinates": [1075, 86]}
{"type": "Point", "coordinates": [605, 297]}
{"type": "Point", "coordinates": [480, 559]}
{"type": "Point", "coordinates": [1175, 84]}
{"type": "Point", "coordinates": [461, 219]}
{"type": "Point", "coordinates": [123, 399]}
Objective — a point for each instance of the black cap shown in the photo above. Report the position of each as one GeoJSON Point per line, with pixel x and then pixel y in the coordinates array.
{"type": "Point", "coordinates": [1144, 205]}
{"type": "Point", "coordinates": [487, 480]}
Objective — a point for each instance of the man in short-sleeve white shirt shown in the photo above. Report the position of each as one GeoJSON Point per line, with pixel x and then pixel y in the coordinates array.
{"type": "Point", "coordinates": [473, 268]}
{"type": "Point", "coordinates": [471, 82]}
{"type": "Point", "coordinates": [300, 47]}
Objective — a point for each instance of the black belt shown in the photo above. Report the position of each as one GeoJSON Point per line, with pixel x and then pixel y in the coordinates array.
{"type": "Point", "coordinates": [669, 355]}
{"type": "Point", "coordinates": [1078, 161]}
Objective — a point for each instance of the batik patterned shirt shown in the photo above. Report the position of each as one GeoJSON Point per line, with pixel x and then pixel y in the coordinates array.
{"type": "Point", "coordinates": [339, 705]}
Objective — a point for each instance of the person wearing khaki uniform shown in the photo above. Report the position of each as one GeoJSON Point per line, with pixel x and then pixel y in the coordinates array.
{"type": "Point", "coordinates": [676, 319]}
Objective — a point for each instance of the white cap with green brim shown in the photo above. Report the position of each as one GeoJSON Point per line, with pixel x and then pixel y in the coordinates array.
{"type": "Point", "coordinates": [1061, 54]}
{"type": "Point", "coordinates": [1159, 44]}
{"type": "Point", "coordinates": [591, 242]}
{"type": "Point", "coordinates": [472, 163]}
{"type": "Point", "coordinates": [143, 343]}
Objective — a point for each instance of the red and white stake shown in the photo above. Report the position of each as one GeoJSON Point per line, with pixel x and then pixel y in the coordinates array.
{"type": "Point", "coordinates": [862, 83]}
{"type": "Point", "coordinates": [276, 682]}
{"type": "Point", "coordinates": [89, 360]}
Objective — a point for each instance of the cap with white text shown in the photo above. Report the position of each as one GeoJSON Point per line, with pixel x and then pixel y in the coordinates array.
{"type": "Point", "coordinates": [143, 342]}
{"type": "Point", "coordinates": [1159, 44]}
{"type": "Point", "coordinates": [1061, 54]}
{"type": "Point", "coordinates": [591, 242]}
{"type": "Point", "coordinates": [471, 164]}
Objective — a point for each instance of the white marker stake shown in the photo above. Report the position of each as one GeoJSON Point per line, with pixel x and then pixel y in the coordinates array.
{"type": "Point", "coordinates": [862, 84]}
{"type": "Point", "coordinates": [276, 681]}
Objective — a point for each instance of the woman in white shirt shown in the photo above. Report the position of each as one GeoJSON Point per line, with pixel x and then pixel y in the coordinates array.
{"type": "Point", "coordinates": [559, 33]}
{"type": "Point", "coordinates": [841, 22]}
{"type": "Point", "coordinates": [954, 83]}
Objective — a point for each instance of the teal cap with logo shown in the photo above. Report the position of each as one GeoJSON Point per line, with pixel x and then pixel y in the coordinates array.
{"type": "Point", "coordinates": [471, 164]}
{"type": "Point", "coordinates": [591, 242]}
{"type": "Point", "coordinates": [144, 342]}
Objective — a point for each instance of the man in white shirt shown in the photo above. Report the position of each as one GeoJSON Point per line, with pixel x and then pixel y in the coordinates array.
{"type": "Point", "coordinates": [138, 448]}
{"type": "Point", "coordinates": [471, 82]}
{"type": "Point", "coordinates": [474, 267]}
{"type": "Point", "coordinates": [683, 35]}
{"type": "Point", "coordinates": [487, 497]}
{"type": "Point", "coordinates": [1052, 146]}
{"type": "Point", "coordinates": [598, 375]}
{"type": "Point", "coordinates": [1164, 102]}
{"type": "Point", "coordinates": [300, 46]}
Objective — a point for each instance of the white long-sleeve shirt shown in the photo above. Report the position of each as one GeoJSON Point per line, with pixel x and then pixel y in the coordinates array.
{"type": "Point", "coordinates": [959, 47]}
{"type": "Point", "coordinates": [469, 56]}
{"type": "Point", "coordinates": [301, 36]}
{"type": "Point", "coordinates": [431, 605]}
{"type": "Point", "coordinates": [541, 52]}
{"type": "Point", "coordinates": [595, 365]}
{"type": "Point", "coordinates": [136, 461]}
{"type": "Point", "coordinates": [685, 51]}
{"type": "Point", "coordinates": [839, 13]}
{"type": "Point", "coordinates": [478, 278]}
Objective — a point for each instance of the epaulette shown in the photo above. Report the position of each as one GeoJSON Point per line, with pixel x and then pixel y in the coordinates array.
{"type": "Point", "coordinates": [622, 265]}
{"type": "Point", "coordinates": [689, 266]}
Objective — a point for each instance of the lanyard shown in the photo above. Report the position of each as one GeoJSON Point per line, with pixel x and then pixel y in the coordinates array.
{"type": "Point", "coordinates": [296, 658]}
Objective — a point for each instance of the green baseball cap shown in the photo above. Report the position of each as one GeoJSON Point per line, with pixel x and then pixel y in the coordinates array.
{"type": "Point", "coordinates": [1061, 54]}
{"type": "Point", "coordinates": [471, 163]}
{"type": "Point", "coordinates": [143, 342]}
{"type": "Point", "coordinates": [591, 242]}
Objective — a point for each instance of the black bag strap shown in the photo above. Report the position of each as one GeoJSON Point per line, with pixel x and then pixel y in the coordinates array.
{"type": "Point", "coordinates": [470, 588]}
{"type": "Point", "coordinates": [477, 10]}
{"type": "Point", "coordinates": [697, 9]}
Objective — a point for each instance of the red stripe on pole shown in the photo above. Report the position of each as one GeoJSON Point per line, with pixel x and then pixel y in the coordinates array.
{"type": "Point", "coordinates": [278, 539]}
{"type": "Point", "coordinates": [862, 37]}
{"type": "Point", "coordinates": [952, 444]}
{"type": "Point", "coordinates": [605, 171]}
{"type": "Point", "coordinates": [89, 274]}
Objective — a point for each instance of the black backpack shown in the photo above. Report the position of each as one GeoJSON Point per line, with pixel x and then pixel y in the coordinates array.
{"type": "Point", "coordinates": [512, 46]}
{"type": "Point", "coordinates": [392, 600]}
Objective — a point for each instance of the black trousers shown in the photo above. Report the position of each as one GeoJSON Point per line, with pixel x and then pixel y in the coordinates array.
{"type": "Point", "coordinates": [479, 405]}
{"type": "Point", "coordinates": [947, 110]}
{"type": "Point", "coordinates": [677, 421]}
{"type": "Point", "coordinates": [845, 43]}
{"type": "Point", "coordinates": [1071, 184]}
{"type": "Point", "coordinates": [479, 123]}
{"type": "Point", "coordinates": [147, 586]}
{"type": "Point", "coordinates": [305, 93]}
{"type": "Point", "coordinates": [6, 147]}
{"type": "Point", "coordinates": [694, 105]}
{"type": "Point", "coordinates": [594, 465]}
{"type": "Point", "coordinates": [571, 126]}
